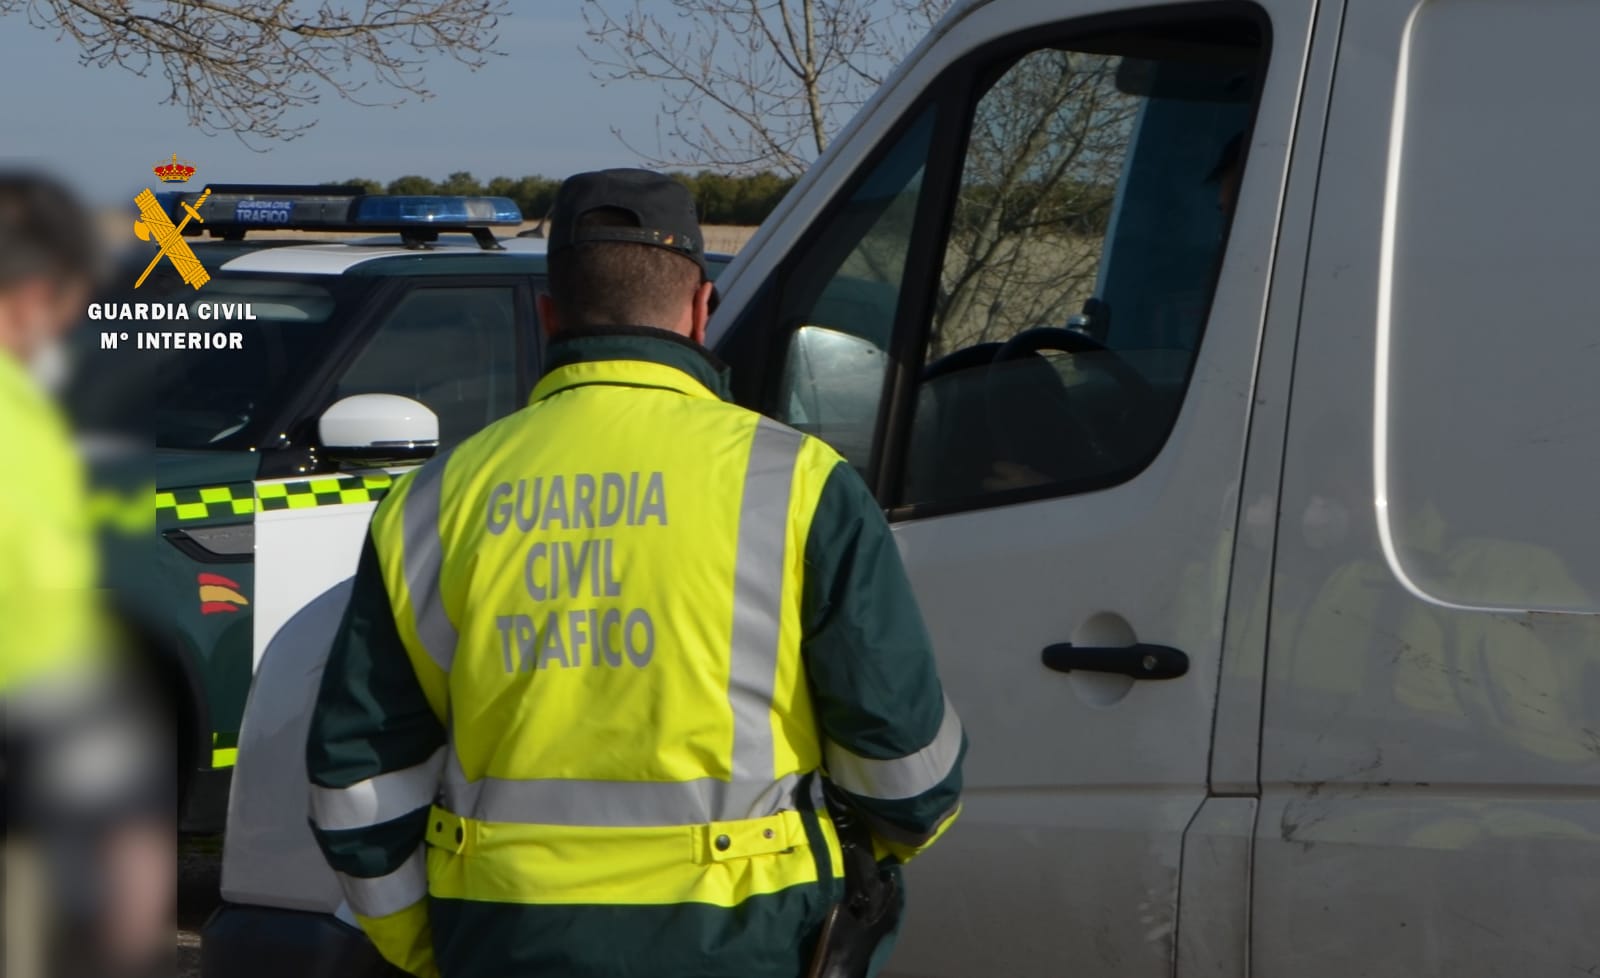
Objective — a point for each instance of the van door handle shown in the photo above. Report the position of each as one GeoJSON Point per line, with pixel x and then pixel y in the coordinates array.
{"type": "Point", "coordinates": [1140, 661]}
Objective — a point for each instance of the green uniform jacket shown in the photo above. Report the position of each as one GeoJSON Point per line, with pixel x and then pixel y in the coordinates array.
{"type": "Point", "coordinates": [874, 691]}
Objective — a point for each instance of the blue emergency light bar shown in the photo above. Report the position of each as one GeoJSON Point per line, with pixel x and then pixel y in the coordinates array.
{"type": "Point", "coordinates": [437, 210]}
{"type": "Point", "coordinates": [231, 210]}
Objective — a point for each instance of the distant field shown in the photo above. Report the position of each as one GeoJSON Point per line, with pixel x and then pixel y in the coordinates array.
{"type": "Point", "coordinates": [727, 237]}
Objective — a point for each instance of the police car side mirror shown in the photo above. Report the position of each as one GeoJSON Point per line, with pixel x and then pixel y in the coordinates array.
{"type": "Point", "coordinates": [378, 426]}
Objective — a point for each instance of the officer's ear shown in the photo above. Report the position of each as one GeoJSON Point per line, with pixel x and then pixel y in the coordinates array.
{"type": "Point", "coordinates": [701, 313]}
{"type": "Point", "coordinates": [548, 317]}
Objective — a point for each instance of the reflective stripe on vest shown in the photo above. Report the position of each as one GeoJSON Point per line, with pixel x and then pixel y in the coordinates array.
{"type": "Point", "coordinates": [718, 864]}
{"type": "Point", "coordinates": [377, 799]}
{"type": "Point", "coordinates": [752, 791]}
{"type": "Point", "coordinates": [618, 804]}
{"type": "Point", "coordinates": [758, 598]}
{"type": "Point", "coordinates": [424, 556]}
{"type": "Point", "coordinates": [380, 896]}
{"type": "Point", "coordinates": [889, 779]}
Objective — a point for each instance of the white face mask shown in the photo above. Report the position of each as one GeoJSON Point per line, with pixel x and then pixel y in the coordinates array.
{"type": "Point", "coordinates": [50, 366]}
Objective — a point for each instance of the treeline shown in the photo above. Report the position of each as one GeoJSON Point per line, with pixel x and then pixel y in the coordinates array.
{"type": "Point", "coordinates": [721, 199]}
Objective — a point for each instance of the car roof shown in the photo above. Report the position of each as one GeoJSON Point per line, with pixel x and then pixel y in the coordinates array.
{"type": "Point", "coordinates": [385, 255]}
{"type": "Point", "coordinates": [339, 257]}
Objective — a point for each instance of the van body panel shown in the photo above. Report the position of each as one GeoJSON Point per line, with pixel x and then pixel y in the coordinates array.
{"type": "Point", "coordinates": [1486, 352]}
{"type": "Point", "coordinates": [1236, 737]}
{"type": "Point", "coordinates": [1396, 882]}
{"type": "Point", "coordinates": [1214, 899]}
{"type": "Point", "coordinates": [1430, 774]}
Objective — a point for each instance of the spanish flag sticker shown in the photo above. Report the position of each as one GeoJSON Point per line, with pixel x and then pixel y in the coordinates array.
{"type": "Point", "coordinates": [218, 595]}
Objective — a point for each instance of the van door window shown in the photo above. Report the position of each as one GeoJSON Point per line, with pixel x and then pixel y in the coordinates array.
{"type": "Point", "coordinates": [1085, 241]}
{"type": "Point", "coordinates": [840, 301]}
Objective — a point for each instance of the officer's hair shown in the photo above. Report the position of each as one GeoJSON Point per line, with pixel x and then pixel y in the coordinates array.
{"type": "Point", "coordinates": [45, 232]}
{"type": "Point", "coordinates": [619, 283]}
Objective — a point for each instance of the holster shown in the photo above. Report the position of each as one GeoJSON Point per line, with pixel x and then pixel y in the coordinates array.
{"type": "Point", "coordinates": [870, 908]}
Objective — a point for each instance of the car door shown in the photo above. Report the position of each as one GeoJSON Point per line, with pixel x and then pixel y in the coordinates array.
{"type": "Point", "coordinates": [454, 346]}
{"type": "Point", "coordinates": [1030, 315]}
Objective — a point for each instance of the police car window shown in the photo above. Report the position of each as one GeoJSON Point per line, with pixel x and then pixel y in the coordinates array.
{"type": "Point", "coordinates": [1085, 240]}
{"type": "Point", "coordinates": [197, 391]}
{"type": "Point", "coordinates": [840, 301]}
{"type": "Point", "coordinates": [453, 349]}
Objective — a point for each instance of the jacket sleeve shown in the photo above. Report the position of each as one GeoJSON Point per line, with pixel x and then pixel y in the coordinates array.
{"type": "Point", "coordinates": [891, 740]}
{"type": "Point", "coordinates": [375, 755]}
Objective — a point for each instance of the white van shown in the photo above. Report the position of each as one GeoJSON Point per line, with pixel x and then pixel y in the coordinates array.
{"type": "Point", "coordinates": [1231, 375]}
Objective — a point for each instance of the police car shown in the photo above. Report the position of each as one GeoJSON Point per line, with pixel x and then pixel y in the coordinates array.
{"type": "Point", "coordinates": [284, 396]}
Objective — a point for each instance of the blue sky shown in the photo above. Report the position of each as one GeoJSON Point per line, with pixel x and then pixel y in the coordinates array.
{"type": "Point", "coordinates": [535, 110]}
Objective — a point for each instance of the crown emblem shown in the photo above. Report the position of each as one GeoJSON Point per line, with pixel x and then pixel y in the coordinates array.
{"type": "Point", "coordinates": [175, 171]}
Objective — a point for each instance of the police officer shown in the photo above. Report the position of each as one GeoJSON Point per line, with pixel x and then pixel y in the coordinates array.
{"type": "Point", "coordinates": [85, 769]}
{"type": "Point", "coordinates": [48, 564]}
{"type": "Point", "coordinates": [598, 656]}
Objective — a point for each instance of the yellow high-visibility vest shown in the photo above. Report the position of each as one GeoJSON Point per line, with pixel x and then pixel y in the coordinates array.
{"type": "Point", "coordinates": [48, 560]}
{"type": "Point", "coordinates": [600, 596]}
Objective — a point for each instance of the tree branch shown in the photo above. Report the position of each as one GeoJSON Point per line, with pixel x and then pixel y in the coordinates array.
{"type": "Point", "coordinates": [251, 67]}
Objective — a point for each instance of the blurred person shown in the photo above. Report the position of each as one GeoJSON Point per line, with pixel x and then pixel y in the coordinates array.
{"type": "Point", "coordinates": [48, 566]}
{"type": "Point", "coordinates": [88, 807]}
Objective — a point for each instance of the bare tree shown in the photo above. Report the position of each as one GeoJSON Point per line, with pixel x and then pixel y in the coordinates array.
{"type": "Point", "coordinates": [1047, 146]}
{"type": "Point", "coordinates": [247, 66]}
{"type": "Point", "coordinates": [753, 84]}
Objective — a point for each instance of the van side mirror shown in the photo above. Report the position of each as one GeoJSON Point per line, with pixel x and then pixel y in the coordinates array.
{"type": "Point", "coordinates": [832, 383]}
{"type": "Point", "coordinates": [368, 427]}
